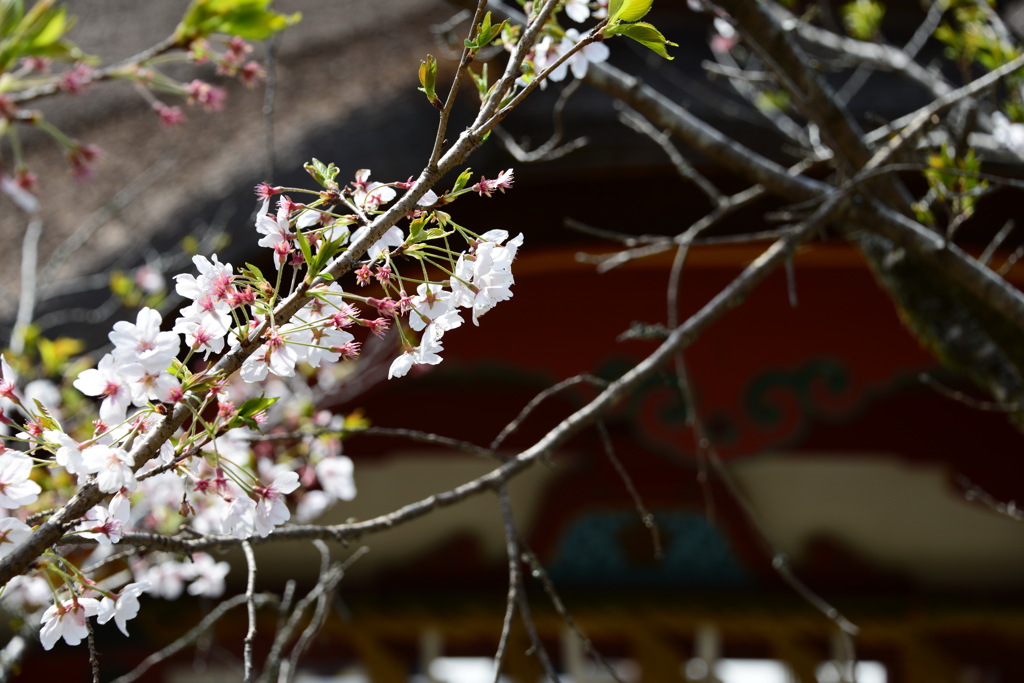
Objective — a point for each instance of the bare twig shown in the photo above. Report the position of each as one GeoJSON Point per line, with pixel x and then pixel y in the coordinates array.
{"type": "Point", "coordinates": [553, 148]}
{"type": "Point", "coordinates": [326, 583]}
{"type": "Point", "coordinates": [541, 574]}
{"type": "Point", "coordinates": [28, 294]}
{"type": "Point", "coordinates": [975, 493]}
{"type": "Point", "coordinates": [316, 622]}
{"type": "Point", "coordinates": [250, 600]}
{"type": "Point", "coordinates": [646, 518]}
{"type": "Point", "coordinates": [411, 434]}
{"type": "Point", "coordinates": [269, 92]}
{"type": "Point", "coordinates": [997, 241]}
{"type": "Point", "coordinates": [512, 551]}
{"type": "Point", "coordinates": [969, 401]}
{"type": "Point", "coordinates": [103, 215]}
{"type": "Point", "coordinates": [514, 425]}
{"type": "Point", "coordinates": [94, 656]}
{"type": "Point", "coordinates": [197, 631]}
{"type": "Point", "coordinates": [684, 168]}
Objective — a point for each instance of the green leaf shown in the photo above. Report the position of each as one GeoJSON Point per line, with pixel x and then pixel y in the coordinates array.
{"type": "Point", "coordinates": [248, 19]}
{"type": "Point", "coordinates": [120, 284]}
{"type": "Point", "coordinates": [11, 13]}
{"type": "Point", "coordinates": [428, 79]}
{"type": "Point", "coordinates": [628, 10]}
{"type": "Point", "coordinates": [57, 353]}
{"type": "Point", "coordinates": [257, 274]}
{"type": "Point", "coordinates": [254, 405]}
{"type": "Point", "coordinates": [462, 180]}
{"type": "Point", "coordinates": [322, 173]}
{"type": "Point", "coordinates": [48, 28]}
{"type": "Point", "coordinates": [436, 234]}
{"type": "Point", "coordinates": [863, 18]}
{"type": "Point", "coordinates": [249, 409]}
{"type": "Point", "coordinates": [323, 257]}
{"type": "Point", "coordinates": [415, 230]}
{"type": "Point", "coordinates": [307, 251]}
{"type": "Point", "coordinates": [645, 34]}
{"type": "Point", "coordinates": [485, 34]}
{"type": "Point", "coordinates": [38, 33]}
{"type": "Point", "coordinates": [772, 100]}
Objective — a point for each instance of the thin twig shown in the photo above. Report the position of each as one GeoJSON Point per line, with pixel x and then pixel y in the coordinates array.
{"type": "Point", "coordinates": [632, 119]}
{"type": "Point", "coordinates": [541, 574]}
{"type": "Point", "coordinates": [512, 551]}
{"type": "Point", "coordinates": [326, 583]}
{"type": "Point", "coordinates": [997, 241]}
{"type": "Point", "coordinates": [411, 434]}
{"type": "Point", "coordinates": [103, 215]}
{"type": "Point", "coordinates": [269, 92]}
{"type": "Point", "coordinates": [250, 599]}
{"type": "Point", "coordinates": [683, 381]}
{"type": "Point", "coordinates": [969, 401]}
{"type": "Point", "coordinates": [975, 493]}
{"type": "Point", "coordinates": [1011, 260]}
{"type": "Point", "coordinates": [646, 518]}
{"type": "Point", "coordinates": [514, 425]}
{"type": "Point", "coordinates": [28, 294]}
{"type": "Point", "coordinates": [316, 622]}
{"type": "Point", "coordinates": [193, 634]}
{"type": "Point", "coordinates": [551, 149]}
{"type": "Point", "coordinates": [94, 656]}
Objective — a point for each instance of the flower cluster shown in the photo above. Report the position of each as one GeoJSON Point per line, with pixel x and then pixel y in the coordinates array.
{"type": "Point", "coordinates": [208, 477]}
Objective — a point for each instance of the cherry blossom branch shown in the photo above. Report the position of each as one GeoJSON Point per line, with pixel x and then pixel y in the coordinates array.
{"type": "Point", "coordinates": [726, 299]}
{"type": "Point", "coordinates": [146, 448]}
{"type": "Point", "coordinates": [97, 75]}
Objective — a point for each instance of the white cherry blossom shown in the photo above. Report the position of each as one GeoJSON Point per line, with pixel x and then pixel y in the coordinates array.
{"type": "Point", "coordinates": [12, 533]}
{"type": "Point", "coordinates": [16, 489]}
{"type": "Point", "coordinates": [67, 620]}
{"type": "Point", "coordinates": [124, 605]}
